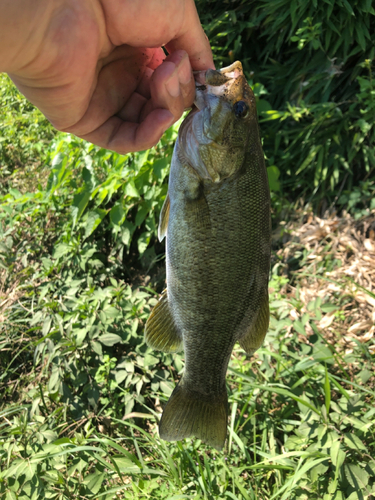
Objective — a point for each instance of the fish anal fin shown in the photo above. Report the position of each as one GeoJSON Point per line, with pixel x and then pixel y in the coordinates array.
{"type": "Point", "coordinates": [189, 413]}
{"type": "Point", "coordinates": [161, 332]}
{"type": "Point", "coordinates": [164, 218]}
{"type": "Point", "coordinates": [254, 337]}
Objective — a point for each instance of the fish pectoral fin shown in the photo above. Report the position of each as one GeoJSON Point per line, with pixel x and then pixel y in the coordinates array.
{"type": "Point", "coordinates": [161, 332]}
{"type": "Point", "coordinates": [254, 337]}
{"type": "Point", "coordinates": [189, 413]}
{"type": "Point", "coordinates": [164, 218]}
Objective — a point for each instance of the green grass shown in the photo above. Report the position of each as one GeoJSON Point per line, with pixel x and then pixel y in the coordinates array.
{"type": "Point", "coordinates": [81, 394]}
{"type": "Point", "coordinates": [302, 426]}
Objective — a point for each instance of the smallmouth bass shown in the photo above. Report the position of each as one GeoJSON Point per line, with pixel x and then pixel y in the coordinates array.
{"type": "Point", "coordinates": [216, 220]}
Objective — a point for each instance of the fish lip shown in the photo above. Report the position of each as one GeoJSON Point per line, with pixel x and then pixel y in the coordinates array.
{"type": "Point", "coordinates": [228, 84]}
{"type": "Point", "coordinates": [202, 90]}
{"type": "Point", "coordinates": [215, 77]}
{"type": "Point", "coordinates": [233, 71]}
{"type": "Point", "coordinates": [216, 82]}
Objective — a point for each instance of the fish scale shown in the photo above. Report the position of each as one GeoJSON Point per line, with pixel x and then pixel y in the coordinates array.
{"type": "Point", "coordinates": [216, 219]}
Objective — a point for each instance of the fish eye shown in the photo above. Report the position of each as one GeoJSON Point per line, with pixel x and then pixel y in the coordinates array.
{"type": "Point", "coordinates": [240, 109]}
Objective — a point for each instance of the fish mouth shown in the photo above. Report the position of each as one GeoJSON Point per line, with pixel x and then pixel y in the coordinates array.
{"type": "Point", "coordinates": [227, 83]}
{"type": "Point", "coordinates": [222, 113]}
{"type": "Point", "coordinates": [218, 77]}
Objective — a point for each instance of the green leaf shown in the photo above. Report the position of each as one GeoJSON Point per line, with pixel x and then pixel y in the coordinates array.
{"type": "Point", "coordinates": [126, 465]}
{"type": "Point", "coordinates": [110, 339]}
{"type": "Point", "coordinates": [356, 477]}
{"type": "Point", "coordinates": [308, 160]}
{"type": "Point", "coordinates": [140, 158]}
{"type": "Point", "coordinates": [127, 230]}
{"type": "Point", "coordinates": [111, 312]}
{"type": "Point", "coordinates": [58, 174]}
{"type": "Point", "coordinates": [30, 470]}
{"type": "Point", "coordinates": [165, 388]}
{"type": "Point", "coordinates": [94, 482]}
{"type": "Point", "coordinates": [363, 125]}
{"type": "Point", "coordinates": [80, 200]}
{"type": "Point", "coordinates": [348, 7]}
{"type": "Point", "coordinates": [289, 485]}
{"type": "Point", "coordinates": [263, 106]}
{"type": "Point", "coordinates": [241, 488]}
{"type": "Point", "coordinates": [356, 495]}
{"type": "Point", "coordinates": [61, 250]}
{"type": "Point", "coordinates": [16, 468]}
{"type": "Point", "coordinates": [337, 454]}
{"type": "Point", "coordinates": [353, 442]}
{"type": "Point", "coordinates": [299, 327]}
{"type": "Point", "coordinates": [272, 115]}
{"type": "Point", "coordinates": [131, 190]}
{"type": "Point", "coordinates": [94, 218]}
{"type": "Point", "coordinates": [273, 175]}
{"type": "Point", "coordinates": [143, 210]}
{"type": "Point", "coordinates": [150, 360]}
{"type": "Point", "coordinates": [117, 214]}
{"type": "Point", "coordinates": [322, 353]}
{"type": "Point", "coordinates": [97, 347]}
{"type": "Point", "coordinates": [15, 193]}
{"type": "Point", "coordinates": [143, 242]}
{"type": "Point", "coordinates": [327, 391]}
{"type": "Point", "coordinates": [317, 472]}
{"type": "Point", "coordinates": [80, 335]}
{"type": "Point", "coordinates": [360, 36]}
{"type": "Point", "coordinates": [120, 376]}
{"type": "Point", "coordinates": [161, 168]}
{"type": "Point", "coordinates": [54, 380]}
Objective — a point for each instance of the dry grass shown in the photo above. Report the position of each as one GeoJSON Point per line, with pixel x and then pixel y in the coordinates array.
{"type": "Point", "coordinates": [347, 247]}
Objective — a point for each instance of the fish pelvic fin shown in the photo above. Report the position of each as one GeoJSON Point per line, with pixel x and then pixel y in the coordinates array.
{"type": "Point", "coordinates": [253, 339]}
{"type": "Point", "coordinates": [164, 219]}
{"type": "Point", "coordinates": [161, 332]}
{"type": "Point", "coordinates": [189, 413]}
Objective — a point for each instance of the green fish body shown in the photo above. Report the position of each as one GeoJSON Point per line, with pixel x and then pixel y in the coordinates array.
{"type": "Point", "coordinates": [216, 219]}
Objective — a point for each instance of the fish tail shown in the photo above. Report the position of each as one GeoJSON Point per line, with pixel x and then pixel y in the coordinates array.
{"type": "Point", "coordinates": [189, 413]}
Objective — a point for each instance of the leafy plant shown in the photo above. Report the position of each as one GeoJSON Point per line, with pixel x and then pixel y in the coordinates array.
{"type": "Point", "coordinates": [79, 272]}
{"type": "Point", "coordinates": [24, 136]}
{"type": "Point", "coordinates": [314, 61]}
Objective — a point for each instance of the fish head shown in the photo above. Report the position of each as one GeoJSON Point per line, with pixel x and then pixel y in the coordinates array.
{"type": "Point", "coordinates": [228, 103]}
{"type": "Point", "coordinates": [217, 132]}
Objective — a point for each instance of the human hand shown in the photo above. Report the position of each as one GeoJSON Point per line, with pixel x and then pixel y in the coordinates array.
{"type": "Point", "coordinates": [96, 68]}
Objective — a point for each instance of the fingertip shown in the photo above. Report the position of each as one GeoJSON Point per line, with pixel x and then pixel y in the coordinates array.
{"type": "Point", "coordinates": [165, 118]}
{"type": "Point", "coordinates": [193, 40]}
{"type": "Point", "coordinates": [126, 137]}
{"type": "Point", "coordinates": [151, 130]}
{"type": "Point", "coordinates": [166, 90]}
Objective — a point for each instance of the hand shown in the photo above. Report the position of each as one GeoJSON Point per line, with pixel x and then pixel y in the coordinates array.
{"type": "Point", "coordinates": [96, 68]}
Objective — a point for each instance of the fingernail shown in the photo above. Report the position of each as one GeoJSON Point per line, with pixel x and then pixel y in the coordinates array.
{"type": "Point", "coordinates": [173, 86]}
{"type": "Point", "coordinates": [169, 119]}
{"type": "Point", "coordinates": [185, 73]}
{"type": "Point", "coordinates": [200, 77]}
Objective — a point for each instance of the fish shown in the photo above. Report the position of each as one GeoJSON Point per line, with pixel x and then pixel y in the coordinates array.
{"type": "Point", "coordinates": [217, 224]}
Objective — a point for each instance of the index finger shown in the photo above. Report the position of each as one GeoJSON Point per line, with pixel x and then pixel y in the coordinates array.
{"type": "Point", "coordinates": [193, 40]}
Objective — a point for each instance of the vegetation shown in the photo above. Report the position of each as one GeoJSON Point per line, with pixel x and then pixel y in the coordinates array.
{"type": "Point", "coordinates": [80, 269]}
{"type": "Point", "coordinates": [311, 64]}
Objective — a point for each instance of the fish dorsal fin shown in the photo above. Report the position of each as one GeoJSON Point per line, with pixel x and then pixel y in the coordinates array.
{"type": "Point", "coordinates": [161, 332]}
{"type": "Point", "coordinates": [164, 218]}
{"type": "Point", "coordinates": [254, 337]}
